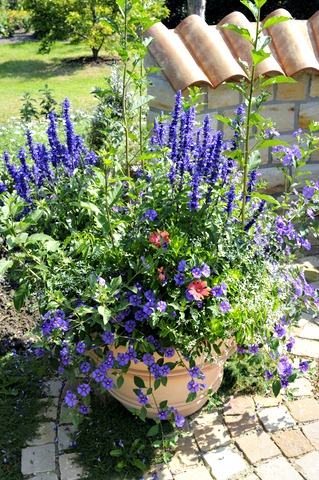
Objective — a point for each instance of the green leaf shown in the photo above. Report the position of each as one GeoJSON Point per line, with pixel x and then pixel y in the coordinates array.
{"type": "Point", "coordinates": [251, 7]}
{"type": "Point", "coordinates": [21, 296]}
{"type": "Point", "coordinates": [156, 444]}
{"type": "Point", "coordinates": [140, 101]}
{"type": "Point", "coordinates": [5, 265]}
{"type": "Point", "coordinates": [153, 431]}
{"type": "Point", "coordinates": [260, 3]}
{"type": "Point", "coordinates": [262, 42]}
{"type": "Point", "coordinates": [105, 313]}
{"type": "Point", "coordinates": [243, 32]}
{"type": "Point", "coordinates": [136, 462]}
{"type": "Point", "coordinates": [263, 196]}
{"type": "Point", "coordinates": [116, 453]}
{"type": "Point", "coordinates": [273, 20]}
{"type": "Point", "coordinates": [277, 79]}
{"type": "Point", "coordinates": [164, 381]}
{"type": "Point", "coordinates": [157, 384]}
{"type": "Point", "coordinates": [274, 344]}
{"type": "Point", "coordinates": [254, 160]}
{"type": "Point", "coordinates": [191, 397]}
{"type": "Point", "coordinates": [276, 387]}
{"type": "Point", "coordinates": [292, 377]}
{"type": "Point", "coordinates": [120, 381]}
{"type": "Point", "coordinates": [272, 143]}
{"type": "Point", "coordinates": [259, 56]}
{"type": "Point", "coordinates": [139, 382]}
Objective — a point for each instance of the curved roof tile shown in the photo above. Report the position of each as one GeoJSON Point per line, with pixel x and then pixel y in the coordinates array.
{"type": "Point", "coordinates": [198, 53]}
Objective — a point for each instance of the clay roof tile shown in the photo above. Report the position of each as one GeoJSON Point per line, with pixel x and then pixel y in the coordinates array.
{"type": "Point", "coordinates": [198, 53]}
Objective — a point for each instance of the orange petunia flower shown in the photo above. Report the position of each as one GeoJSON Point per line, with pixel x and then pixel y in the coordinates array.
{"type": "Point", "coordinates": [161, 275]}
{"type": "Point", "coordinates": [199, 289]}
{"type": "Point", "coordinates": [159, 238]}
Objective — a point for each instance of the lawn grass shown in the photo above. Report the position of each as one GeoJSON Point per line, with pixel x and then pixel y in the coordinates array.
{"type": "Point", "coordinates": [65, 70]}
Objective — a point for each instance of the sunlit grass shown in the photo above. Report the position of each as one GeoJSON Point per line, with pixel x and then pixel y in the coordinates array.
{"type": "Point", "coordinates": [66, 71]}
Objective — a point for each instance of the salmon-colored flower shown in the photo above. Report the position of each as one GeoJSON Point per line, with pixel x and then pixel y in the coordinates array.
{"type": "Point", "coordinates": [198, 289]}
{"type": "Point", "coordinates": [158, 238]}
{"type": "Point", "coordinates": [161, 275]}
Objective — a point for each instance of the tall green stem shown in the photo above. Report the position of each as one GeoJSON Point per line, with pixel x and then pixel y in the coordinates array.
{"type": "Point", "coordinates": [248, 126]}
{"type": "Point", "coordinates": [124, 93]}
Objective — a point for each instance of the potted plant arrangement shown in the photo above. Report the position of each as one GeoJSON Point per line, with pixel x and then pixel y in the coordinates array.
{"type": "Point", "coordinates": [160, 271]}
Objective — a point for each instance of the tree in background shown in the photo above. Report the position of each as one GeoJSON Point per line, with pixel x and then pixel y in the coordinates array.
{"type": "Point", "coordinates": [216, 10]}
{"type": "Point", "coordinates": [77, 20]}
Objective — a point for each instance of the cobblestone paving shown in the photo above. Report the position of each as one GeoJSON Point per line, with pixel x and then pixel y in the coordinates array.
{"type": "Point", "coordinates": [251, 438]}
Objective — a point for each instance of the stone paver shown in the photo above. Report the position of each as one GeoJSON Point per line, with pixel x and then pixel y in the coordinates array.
{"type": "Point", "coordinates": [257, 447]}
{"type": "Point", "coordinates": [45, 476]}
{"type": "Point", "coordinates": [277, 469]}
{"type": "Point", "coordinates": [161, 471]}
{"type": "Point", "coordinates": [50, 411]}
{"type": "Point", "coordinates": [310, 331]}
{"type": "Point", "coordinates": [276, 418]}
{"type": "Point", "coordinates": [225, 462]}
{"type": "Point", "coordinates": [211, 435]}
{"type": "Point", "coordinates": [302, 387]}
{"type": "Point", "coordinates": [239, 406]}
{"type": "Point", "coordinates": [312, 433]}
{"type": "Point", "coordinates": [304, 410]}
{"type": "Point", "coordinates": [309, 465]}
{"type": "Point", "coordinates": [46, 434]}
{"type": "Point", "coordinates": [240, 424]}
{"type": "Point", "coordinates": [68, 467]}
{"type": "Point", "coordinates": [306, 348]}
{"type": "Point", "coordinates": [65, 435]}
{"type": "Point", "coordinates": [198, 473]}
{"type": "Point", "coordinates": [292, 443]}
{"type": "Point", "coordinates": [186, 455]}
{"type": "Point", "coordinates": [38, 459]}
{"type": "Point", "coordinates": [53, 387]}
{"type": "Point", "coordinates": [262, 402]}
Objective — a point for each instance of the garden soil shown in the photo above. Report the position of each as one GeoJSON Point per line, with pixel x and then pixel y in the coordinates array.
{"type": "Point", "coordinates": [15, 327]}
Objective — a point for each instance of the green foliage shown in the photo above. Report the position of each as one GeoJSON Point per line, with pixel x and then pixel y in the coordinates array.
{"type": "Point", "coordinates": [29, 110]}
{"type": "Point", "coordinates": [20, 404]}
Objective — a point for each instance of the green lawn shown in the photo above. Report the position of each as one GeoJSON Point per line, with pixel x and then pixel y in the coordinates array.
{"type": "Point", "coordinates": [22, 70]}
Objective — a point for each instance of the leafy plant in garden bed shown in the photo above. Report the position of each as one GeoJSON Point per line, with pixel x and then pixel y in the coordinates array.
{"type": "Point", "coordinates": [161, 261]}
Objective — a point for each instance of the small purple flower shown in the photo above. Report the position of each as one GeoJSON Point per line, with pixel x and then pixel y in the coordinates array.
{"type": "Point", "coordinates": [101, 281]}
{"type": "Point", "coordinates": [290, 344]}
{"type": "Point", "coordinates": [148, 359]}
{"type": "Point", "coordinates": [135, 300]}
{"type": "Point", "coordinates": [155, 370]}
{"type": "Point", "coordinates": [164, 370]}
{"type": "Point", "coordinates": [224, 306]}
{"type": "Point", "coordinates": [194, 372]}
{"type": "Point", "coordinates": [303, 366]}
{"type": "Point", "coordinates": [107, 383]}
{"type": "Point", "coordinates": [169, 352]}
{"type": "Point", "coordinates": [142, 399]}
{"type": "Point", "coordinates": [284, 382]}
{"type": "Point", "coordinates": [139, 315]}
{"type": "Point", "coordinates": [162, 414]}
{"type": "Point", "coordinates": [284, 367]}
{"type": "Point", "coordinates": [193, 386]}
{"type": "Point", "coordinates": [179, 279]}
{"type": "Point", "coordinates": [131, 353]}
{"type": "Point", "coordinates": [98, 375]}
{"type": "Point", "coordinates": [181, 266]}
{"type": "Point", "coordinates": [179, 420]}
{"type": "Point", "coordinates": [70, 399]}
{"type": "Point", "coordinates": [108, 337]}
{"type": "Point", "coordinates": [80, 348]}
{"type": "Point", "coordinates": [280, 331]}
{"type": "Point", "coordinates": [83, 389]}
{"type": "Point", "coordinates": [196, 272]}
{"type": "Point", "coordinates": [241, 350]}
{"type": "Point", "coordinates": [150, 296]}
{"type": "Point", "coordinates": [122, 359]}
{"type": "Point", "coordinates": [253, 348]}
{"type": "Point", "coordinates": [161, 306]}
{"type": "Point", "coordinates": [85, 367]}
{"type": "Point", "coordinates": [308, 192]}
{"type": "Point", "coordinates": [84, 409]}
{"type": "Point", "coordinates": [205, 270]}
{"type": "Point", "coordinates": [150, 214]}
{"type": "Point", "coordinates": [268, 375]}
{"type": "Point", "coordinates": [129, 326]}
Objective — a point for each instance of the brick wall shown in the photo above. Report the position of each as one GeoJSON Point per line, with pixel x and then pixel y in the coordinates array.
{"type": "Point", "coordinates": [290, 106]}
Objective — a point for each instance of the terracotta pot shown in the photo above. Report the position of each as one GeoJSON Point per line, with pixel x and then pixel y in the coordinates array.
{"type": "Point", "coordinates": [175, 392]}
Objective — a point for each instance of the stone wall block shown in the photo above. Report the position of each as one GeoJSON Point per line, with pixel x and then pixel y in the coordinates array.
{"type": "Point", "coordinates": [283, 114]}
{"type": "Point", "coordinates": [164, 95]}
{"type": "Point", "coordinates": [293, 91]}
{"type": "Point", "coordinates": [223, 96]}
{"type": "Point", "coordinates": [314, 86]}
{"type": "Point", "coordinates": [307, 113]}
